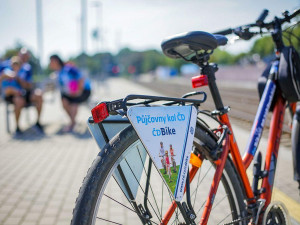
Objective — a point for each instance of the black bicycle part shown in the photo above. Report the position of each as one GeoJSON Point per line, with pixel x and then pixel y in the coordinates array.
{"type": "Point", "coordinates": [193, 93]}
{"type": "Point", "coordinates": [296, 145]}
{"type": "Point", "coordinates": [109, 120]}
{"type": "Point", "coordinates": [189, 208]}
{"type": "Point", "coordinates": [216, 112]}
{"type": "Point", "coordinates": [147, 213]}
{"type": "Point", "coordinates": [257, 174]}
{"type": "Point", "coordinates": [172, 101]}
{"type": "Point", "coordinates": [262, 17]}
{"type": "Point", "coordinates": [191, 43]}
{"type": "Point", "coordinates": [209, 70]}
{"type": "Point", "coordinates": [277, 35]}
{"type": "Point", "coordinates": [276, 214]}
{"type": "Point", "coordinates": [183, 209]}
{"type": "Point", "coordinates": [131, 197]}
{"type": "Point", "coordinates": [103, 132]}
{"type": "Point", "coordinates": [121, 104]}
{"type": "Point", "coordinates": [244, 33]}
{"type": "Point", "coordinates": [216, 151]}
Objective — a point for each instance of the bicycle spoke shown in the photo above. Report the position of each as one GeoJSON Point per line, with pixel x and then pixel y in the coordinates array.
{"type": "Point", "coordinates": [202, 179]}
{"type": "Point", "coordinates": [120, 203]}
{"type": "Point", "coordinates": [120, 223]}
{"type": "Point", "coordinates": [156, 201]}
{"type": "Point", "coordinates": [162, 197]}
{"type": "Point", "coordinates": [198, 184]}
{"type": "Point", "coordinates": [142, 189]}
{"type": "Point", "coordinates": [216, 204]}
{"type": "Point", "coordinates": [206, 173]}
{"type": "Point", "coordinates": [150, 183]}
{"type": "Point", "coordinates": [225, 218]}
{"type": "Point", "coordinates": [201, 207]}
{"type": "Point", "coordinates": [126, 208]}
{"type": "Point", "coordinates": [108, 221]}
{"type": "Point", "coordinates": [176, 219]}
{"type": "Point", "coordinates": [176, 210]}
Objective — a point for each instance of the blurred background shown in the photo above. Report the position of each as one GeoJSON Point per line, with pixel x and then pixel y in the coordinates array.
{"type": "Point", "coordinates": [116, 43]}
{"type": "Point", "coordinates": [122, 38]}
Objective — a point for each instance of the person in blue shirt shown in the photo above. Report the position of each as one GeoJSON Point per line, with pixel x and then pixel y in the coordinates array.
{"type": "Point", "coordinates": [74, 88]}
{"type": "Point", "coordinates": [31, 95]}
{"type": "Point", "coordinates": [17, 86]}
{"type": "Point", "coordinates": [11, 87]}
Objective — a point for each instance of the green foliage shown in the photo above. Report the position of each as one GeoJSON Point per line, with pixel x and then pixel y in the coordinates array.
{"type": "Point", "coordinates": [263, 46]}
{"type": "Point", "coordinates": [222, 57]}
{"type": "Point", "coordinates": [11, 52]}
{"type": "Point", "coordinates": [96, 64]}
{"type": "Point", "coordinates": [151, 59]}
{"type": "Point", "coordinates": [128, 58]}
{"type": "Point", "coordinates": [291, 36]}
{"type": "Point", "coordinates": [15, 51]}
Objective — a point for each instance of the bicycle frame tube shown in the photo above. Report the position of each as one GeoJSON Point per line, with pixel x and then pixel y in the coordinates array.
{"type": "Point", "coordinates": [272, 149]}
{"type": "Point", "coordinates": [215, 183]}
{"type": "Point", "coordinates": [259, 122]}
{"type": "Point", "coordinates": [260, 118]}
{"type": "Point", "coordinates": [237, 160]}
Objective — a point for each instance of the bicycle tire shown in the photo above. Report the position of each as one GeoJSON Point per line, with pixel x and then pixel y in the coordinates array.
{"type": "Point", "coordinates": [92, 197]}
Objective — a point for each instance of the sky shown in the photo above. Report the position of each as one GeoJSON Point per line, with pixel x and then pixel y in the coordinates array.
{"type": "Point", "coordinates": [138, 24]}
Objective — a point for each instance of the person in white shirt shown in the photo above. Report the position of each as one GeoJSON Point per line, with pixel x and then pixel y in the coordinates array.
{"type": "Point", "coordinates": [162, 155]}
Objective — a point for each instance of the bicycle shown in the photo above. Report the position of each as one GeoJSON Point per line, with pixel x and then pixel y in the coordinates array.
{"type": "Point", "coordinates": [122, 176]}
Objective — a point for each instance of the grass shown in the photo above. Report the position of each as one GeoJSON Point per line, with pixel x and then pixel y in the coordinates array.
{"type": "Point", "coordinates": [171, 184]}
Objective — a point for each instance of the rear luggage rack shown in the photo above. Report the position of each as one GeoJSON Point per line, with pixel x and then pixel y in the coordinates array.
{"type": "Point", "coordinates": [153, 99]}
{"type": "Point", "coordinates": [104, 109]}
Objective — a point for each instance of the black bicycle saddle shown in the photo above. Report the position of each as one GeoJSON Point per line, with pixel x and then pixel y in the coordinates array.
{"type": "Point", "coordinates": [186, 44]}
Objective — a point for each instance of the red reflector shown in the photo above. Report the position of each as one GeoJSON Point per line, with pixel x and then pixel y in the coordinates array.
{"type": "Point", "coordinates": [199, 81]}
{"type": "Point", "coordinates": [100, 113]}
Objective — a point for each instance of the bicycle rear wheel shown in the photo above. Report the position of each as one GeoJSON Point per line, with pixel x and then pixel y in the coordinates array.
{"type": "Point", "coordinates": [106, 198]}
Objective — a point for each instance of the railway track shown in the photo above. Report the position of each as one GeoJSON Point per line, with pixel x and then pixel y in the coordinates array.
{"type": "Point", "coordinates": [242, 101]}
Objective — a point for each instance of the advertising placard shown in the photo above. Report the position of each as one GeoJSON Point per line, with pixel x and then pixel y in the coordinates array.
{"type": "Point", "coordinates": [167, 134]}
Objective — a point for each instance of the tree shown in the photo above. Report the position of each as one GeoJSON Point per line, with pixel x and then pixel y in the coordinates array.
{"type": "Point", "coordinates": [15, 50]}
{"type": "Point", "coordinates": [222, 57]}
{"type": "Point", "coordinates": [263, 46]}
{"type": "Point", "coordinates": [291, 36]}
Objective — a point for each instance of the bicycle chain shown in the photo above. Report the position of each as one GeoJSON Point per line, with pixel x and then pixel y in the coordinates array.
{"type": "Point", "coordinates": [238, 220]}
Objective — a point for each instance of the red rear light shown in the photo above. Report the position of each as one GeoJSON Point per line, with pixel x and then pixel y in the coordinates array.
{"type": "Point", "coordinates": [100, 113]}
{"type": "Point", "coordinates": [199, 81]}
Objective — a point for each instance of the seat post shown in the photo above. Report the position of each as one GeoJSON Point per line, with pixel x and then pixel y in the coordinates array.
{"type": "Point", "coordinates": [209, 70]}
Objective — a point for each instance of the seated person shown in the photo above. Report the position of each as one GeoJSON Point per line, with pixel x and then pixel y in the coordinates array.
{"type": "Point", "coordinates": [13, 88]}
{"type": "Point", "coordinates": [74, 88]}
{"type": "Point", "coordinates": [32, 96]}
